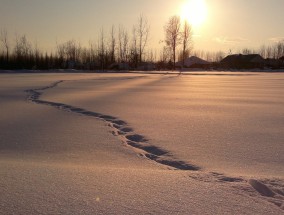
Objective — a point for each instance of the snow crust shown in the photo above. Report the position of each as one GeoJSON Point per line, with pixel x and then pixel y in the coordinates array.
{"type": "Point", "coordinates": [66, 151]}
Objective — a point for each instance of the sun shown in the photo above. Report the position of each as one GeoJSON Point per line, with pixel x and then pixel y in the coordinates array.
{"type": "Point", "coordinates": [194, 11]}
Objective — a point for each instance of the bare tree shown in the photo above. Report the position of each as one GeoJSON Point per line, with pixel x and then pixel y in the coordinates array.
{"type": "Point", "coordinates": [143, 30]}
{"type": "Point", "coordinates": [60, 51]}
{"type": "Point", "coordinates": [262, 51]}
{"type": "Point", "coordinates": [134, 56]}
{"type": "Point", "coordinates": [112, 44]}
{"type": "Point", "coordinates": [172, 35]}
{"type": "Point", "coordinates": [4, 41]}
{"type": "Point", "coordinates": [151, 56]}
{"type": "Point", "coordinates": [209, 56]}
{"type": "Point", "coordinates": [125, 46]}
{"type": "Point", "coordinates": [247, 51]}
{"type": "Point", "coordinates": [36, 52]}
{"type": "Point", "coordinates": [23, 47]}
{"type": "Point", "coordinates": [186, 38]}
{"type": "Point", "coordinates": [69, 51]}
{"type": "Point", "coordinates": [218, 56]}
{"type": "Point", "coordinates": [279, 49]}
{"type": "Point", "coordinates": [101, 49]}
{"type": "Point", "coordinates": [123, 40]}
{"type": "Point", "coordinates": [92, 52]}
{"type": "Point", "coordinates": [23, 52]}
{"type": "Point", "coordinates": [120, 36]}
{"type": "Point", "coordinates": [274, 50]}
{"type": "Point", "coordinates": [269, 52]}
{"type": "Point", "coordinates": [165, 55]}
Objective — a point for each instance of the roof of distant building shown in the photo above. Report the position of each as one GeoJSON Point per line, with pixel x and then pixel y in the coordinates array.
{"type": "Point", "coordinates": [193, 60]}
{"type": "Point", "coordinates": [253, 58]}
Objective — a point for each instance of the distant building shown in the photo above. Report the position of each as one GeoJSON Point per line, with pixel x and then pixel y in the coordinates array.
{"type": "Point", "coordinates": [239, 61]}
{"type": "Point", "coordinates": [193, 62]}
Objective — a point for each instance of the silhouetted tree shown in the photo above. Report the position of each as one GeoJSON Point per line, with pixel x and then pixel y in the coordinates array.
{"type": "Point", "coordinates": [134, 56]}
{"type": "Point", "coordinates": [172, 35]}
{"type": "Point", "coordinates": [165, 56]}
{"type": "Point", "coordinates": [151, 56]}
{"type": "Point", "coordinates": [246, 51]}
{"type": "Point", "coordinates": [123, 40]}
{"type": "Point", "coordinates": [23, 52]}
{"type": "Point", "coordinates": [279, 49]}
{"type": "Point", "coordinates": [269, 52]}
{"type": "Point", "coordinates": [218, 56]}
{"type": "Point", "coordinates": [4, 41]}
{"type": "Point", "coordinates": [186, 37]}
{"type": "Point", "coordinates": [262, 51]}
{"type": "Point", "coordinates": [112, 45]}
{"type": "Point", "coordinates": [102, 49]}
{"type": "Point", "coordinates": [36, 55]}
{"type": "Point", "coordinates": [143, 30]}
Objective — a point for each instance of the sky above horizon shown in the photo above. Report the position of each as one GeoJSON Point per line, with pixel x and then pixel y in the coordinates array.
{"type": "Point", "coordinates": [229, 25]}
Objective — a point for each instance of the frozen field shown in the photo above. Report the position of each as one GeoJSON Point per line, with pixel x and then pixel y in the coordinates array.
{"type": "Point", "coordinates": [198, 143]}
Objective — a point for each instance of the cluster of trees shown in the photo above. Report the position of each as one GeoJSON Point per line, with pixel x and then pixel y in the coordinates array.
{"type": "Point", "coordinates": [275, 51]}
{"type": "Point", "coordinates": [178, 34]}
{"type": "Point", "coordinates": [24, 54]}
{"type": "Point", "coordinates": [116, 46]}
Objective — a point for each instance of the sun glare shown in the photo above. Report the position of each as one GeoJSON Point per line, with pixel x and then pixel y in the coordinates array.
{"type": "Point", "coordinates": [194, 11]}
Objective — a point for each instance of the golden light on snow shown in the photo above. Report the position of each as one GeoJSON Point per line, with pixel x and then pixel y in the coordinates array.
{"type": "Point", "coordinates": [194, 11]}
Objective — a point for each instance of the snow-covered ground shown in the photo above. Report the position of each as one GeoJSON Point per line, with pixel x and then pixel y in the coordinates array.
{"type": "Point", "coordinates": [198, 143]}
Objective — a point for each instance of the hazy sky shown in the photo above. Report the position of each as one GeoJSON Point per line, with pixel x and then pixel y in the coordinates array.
{"type": "Point", "coordinates": [230, 24]}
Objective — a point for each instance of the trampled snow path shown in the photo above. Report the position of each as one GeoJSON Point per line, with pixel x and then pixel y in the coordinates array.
{"type": "Point", "coordinates": [120, 128]}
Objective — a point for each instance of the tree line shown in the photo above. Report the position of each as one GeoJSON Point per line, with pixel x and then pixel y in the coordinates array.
{"type": "Point", "coordinates": [114, 46]}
